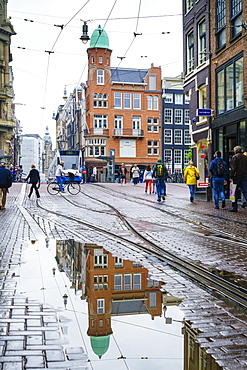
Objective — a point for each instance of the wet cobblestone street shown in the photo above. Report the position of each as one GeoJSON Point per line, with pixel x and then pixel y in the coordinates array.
{"type": "Point", "coordinates": [39, 331]}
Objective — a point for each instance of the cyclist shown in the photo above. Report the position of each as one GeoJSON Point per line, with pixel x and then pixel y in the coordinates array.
{"type": "Point", "coordinates": [59, 176]}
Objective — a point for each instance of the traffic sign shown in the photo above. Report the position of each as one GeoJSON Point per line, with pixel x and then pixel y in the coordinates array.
{"type": "Point", "coordinates": [204, 112]}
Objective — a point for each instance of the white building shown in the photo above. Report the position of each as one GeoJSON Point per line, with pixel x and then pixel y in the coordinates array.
{"type": "Point", "coordinates": [31, 152]}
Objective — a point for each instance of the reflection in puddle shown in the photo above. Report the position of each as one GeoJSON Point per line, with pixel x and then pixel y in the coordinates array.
{"type": "Point", "coordinates": [113, 308]}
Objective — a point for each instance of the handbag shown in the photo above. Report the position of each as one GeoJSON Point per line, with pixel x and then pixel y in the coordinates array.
{"type": "Point", "coordinates": [197, 175]}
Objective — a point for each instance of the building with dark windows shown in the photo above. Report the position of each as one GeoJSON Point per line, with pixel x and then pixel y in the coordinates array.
{"type": "Point", "coordinates": [196, 68]}
{"type": "Point", "coordinates": [176, 125]}
{"type": "Point", "coordinates": [228, 67]}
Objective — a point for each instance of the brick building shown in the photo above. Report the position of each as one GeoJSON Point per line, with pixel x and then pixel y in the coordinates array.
{"type": "Point", "coordinates": [228, 65]}
{"type": "Point", "coordinates": [123, 109]}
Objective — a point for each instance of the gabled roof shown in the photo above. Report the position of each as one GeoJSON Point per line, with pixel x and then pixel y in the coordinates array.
{"type": "Point", "coordinates": [128, 75]}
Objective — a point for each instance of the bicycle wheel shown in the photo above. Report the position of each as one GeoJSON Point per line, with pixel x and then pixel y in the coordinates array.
{"type": "Point", "coordinates": [53, 188]}
{"type": "Point", "coordinates": [74, 188]}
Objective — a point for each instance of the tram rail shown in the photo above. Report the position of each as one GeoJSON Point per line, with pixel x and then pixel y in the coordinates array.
{"type": "Point", "coordinates": [205, 278]}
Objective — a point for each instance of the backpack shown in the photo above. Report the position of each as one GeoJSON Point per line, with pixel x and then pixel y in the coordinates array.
{"type": "Point", "coordinates": [160, 170]}
{"type": "Point", "coordinates": [220, 169]}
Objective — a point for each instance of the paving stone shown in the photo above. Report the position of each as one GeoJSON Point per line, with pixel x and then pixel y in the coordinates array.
{"type": "Point", "coordinates": [55, 355]}
{"type": "Point", "coordinates": [13, 366]}
{"type": "Point", "coordinates": [38, 362]}
{"type": "Point", "coordinates": [34, 339]}
{"type": "Point", "coordinates": [15, 345]}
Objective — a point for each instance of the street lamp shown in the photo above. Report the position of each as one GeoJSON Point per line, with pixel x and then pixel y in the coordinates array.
{"type": "Point", "coordinates": [84, 37]}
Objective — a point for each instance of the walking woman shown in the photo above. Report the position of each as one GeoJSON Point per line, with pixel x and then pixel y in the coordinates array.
{"type": "Point", "coordinates": [148, 179]}
{"type": "Point", "coordinates": [34, 179]}
{"type": "Point", "coordinates": [135, 174]}
{"type": "Point", "coordinates": [191, 175]}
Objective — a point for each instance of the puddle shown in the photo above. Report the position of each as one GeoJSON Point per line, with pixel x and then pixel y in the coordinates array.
{"type": "Point", "coordinates": [108, 306]}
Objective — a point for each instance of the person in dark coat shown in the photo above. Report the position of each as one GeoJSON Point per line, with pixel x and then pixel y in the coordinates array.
{"type": "Point", "coordinates": [238, 174]}
{"type": "Point", "coordinates": [5, 183]}
{"type": "Point", "coordinates": [34, 179]}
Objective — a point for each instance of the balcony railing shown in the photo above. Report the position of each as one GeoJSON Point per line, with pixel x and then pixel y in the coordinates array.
{"type": "Point", "coordinates": [128, 132]}
{"type": "Point", "coordinates": [96, 131]}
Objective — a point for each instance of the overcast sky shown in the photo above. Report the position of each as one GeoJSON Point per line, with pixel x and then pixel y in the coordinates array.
{"type": "Point", "coordinates": [40, 77]}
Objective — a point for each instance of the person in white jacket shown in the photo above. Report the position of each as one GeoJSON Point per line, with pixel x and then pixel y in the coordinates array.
{"type": "Point", "coordinates": [147, 178]}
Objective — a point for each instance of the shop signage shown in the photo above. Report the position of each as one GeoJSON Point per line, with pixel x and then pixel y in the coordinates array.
{"type": "Point", "coordinates": [204, 112]}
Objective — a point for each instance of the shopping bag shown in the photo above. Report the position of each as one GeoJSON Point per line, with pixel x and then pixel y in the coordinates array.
{"type": "Point", "coordinates": [232, 191]}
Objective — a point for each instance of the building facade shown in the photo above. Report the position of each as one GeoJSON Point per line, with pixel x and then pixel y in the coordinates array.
{"type": "Point", "coordinates": [228, 69]}
{"type": "Point", "coordinates": [176, 125]}
{"type": "Point", "coordinates": [31, 152]}
{"type": "Point", "coordinates": [7, 121]}
{"type": "Point", "coordinates": [123, 109]}
{"type": "Point", "coordinates": [196, 51]}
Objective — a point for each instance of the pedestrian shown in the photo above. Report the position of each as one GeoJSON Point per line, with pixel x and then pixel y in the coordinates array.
{"type": "Point", "coordinates": [148, 179]}
{"type": "Point", "coordinates": [122, 172]}
{"type": "Point", "coordinates": [244, 201]}
{"type": "Point", "coordinates": [160, 174]}
{"type": "Point", "coordinates": [5, 184]}
{"type": "Point", "coordinates": [219, 171]}
{"type": "Point", "coordinates": [95, 174]}
{"type": "Point", "coordinates": [135, 174]}
{"type": "Point", "coordinates": [34, 179]}
{"type": "Point", "coordinates": [191, 175]}
{"type": "Point", "coordinates": [59, 176]}
{"type": "Point", "coordinates": [238, 174]}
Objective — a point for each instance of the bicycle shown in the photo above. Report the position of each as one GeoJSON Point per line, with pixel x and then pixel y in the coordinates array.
{"type": "Point", "coordinates": [72, 186]}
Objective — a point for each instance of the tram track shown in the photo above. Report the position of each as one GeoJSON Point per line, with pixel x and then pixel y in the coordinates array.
{"type": "Point", "coordinates": [202, 276]}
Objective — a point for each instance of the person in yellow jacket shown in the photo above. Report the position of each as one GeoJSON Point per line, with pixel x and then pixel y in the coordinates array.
{"type": "Point", "coordinates": [191, 175]}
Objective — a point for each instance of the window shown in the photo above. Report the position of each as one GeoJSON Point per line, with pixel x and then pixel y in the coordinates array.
{"type": "Point", "coordinates": [152, 299]}
{"type": "Point", "coordinates": [168, 136]}
{"type": "Point", "coordinates": [202, 41]}
{"type": "Point", "coordinates": [153, 125]}
{"type": "Point", "coordinates": [127, 282]}
{"type": "Point", "coordinates": [137, 281]}
{"type": "Point", "coordinates": [169, 98]}
{"type": "Point", "coordinates": [137, 101]}
{"type": "Point", "coordinates": [187, 137]}
{"type": "Point", "coordinates": [177, 156]}
{"type": "Point", "coordinates": [153, 147]}
{"type": "Point", "coordinates": [92, 59]}
{"type": "Point", "coordinates": [100, 59]}
{"type": "Point", "coordinates": [118, 122]}
{"type": "Point", "coordinates": [190, 51]}
{"type": "Point", "coordinates": [186, 152]}
{"type": "Point", "coordinates": [236, 17]}
{"type": "Point", "coordinates": [100, 261]}
{"type": "Point", "coordinates": [179, 99]}
{"type": "Point", "coordinates": [100, 121]}
{"type": "Point", "coordinates": [178, 116]}
{"type": "Point", "coordinates": [117, 100]}
{"type": "Point", "coordinates": [153, 102]}
{"type": "Point", "coordinates": [168, 115]}
{"type": "Point", "coordinates": [152, 82]}
{"type": "Point", "coordinates": [189, 5]}
{"type": "Point", "coordinates": [117, 282]}
{"type": "Point", "coordinates": [202, 99]}
{"type": "Point", "coordinates": [229, 85]}
{"type": "Point", "coordinates": [221, 22]}
{"type": "Point", "coordinates": [136, 123]}
{"type": "Point", "coordinates": [186, 99]}
{"type": "Point", "coordinates": [101, 306]}
{"type": "Point", "coordinates": [127, 100]}
{"type": "Point", "coordinates": [100, 101]}
{"type": "Point", "coordinates": [177, 136]}
{"type": "Point", "coordinates": [118, 262]}
{"type": "Point", "coordinates": [186, 116]}
{"type": "Point", "coordinates": [100, 77]}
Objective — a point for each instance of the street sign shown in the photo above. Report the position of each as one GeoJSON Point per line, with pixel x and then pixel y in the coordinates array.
{"type": "Point", "coordinates": [204, 112]}
{"type": "Point", "coordinates": [202, 184]}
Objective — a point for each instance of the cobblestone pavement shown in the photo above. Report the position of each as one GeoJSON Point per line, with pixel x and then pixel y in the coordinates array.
{"type": "Point", "coordinates": [32, 331]}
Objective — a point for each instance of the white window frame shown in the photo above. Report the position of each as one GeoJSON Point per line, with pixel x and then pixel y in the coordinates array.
{"type": "Point", "coordinates": [186, 116]}
{"type": "Point", "coordinates": [127, 99]}
{"type": "Point", "coordinates": [178, 116]}
{"type": "Point", "coordinates": [117, 100]}
{"type": "Point", "coordinates": [178, 156]}
{"type": "Point", "coordinates": [127, 282]}
{"type": "Point", "coordinates": [168, 98]}
{"type": "Point", "coordinates": [136, 101]}
{"type": "Point", "coordinates": [166, 116]}
{"type": "Point", "coordinates": [137, 285]}
{"type": "Point", "coordinates": [152, 82]}
{"type": "Point", "coordinates": [178, 135]}
{"type": "Point", "coordinates": [168, 137]}
{"type": "Point", "coordinates": [187, 137]}
{"type": "Point", "coordinates": [100, 77]}
{"type": "Point", "coordinates": [179, 99]}
{"type": "Point", "coordinates": [118, 286]}
{"type": "Point", "coordinates": [100, 306]}
{"type": "Point", "coordinates": [150, 102]}
{"type": "Point", "coordinates": [152, 298]}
